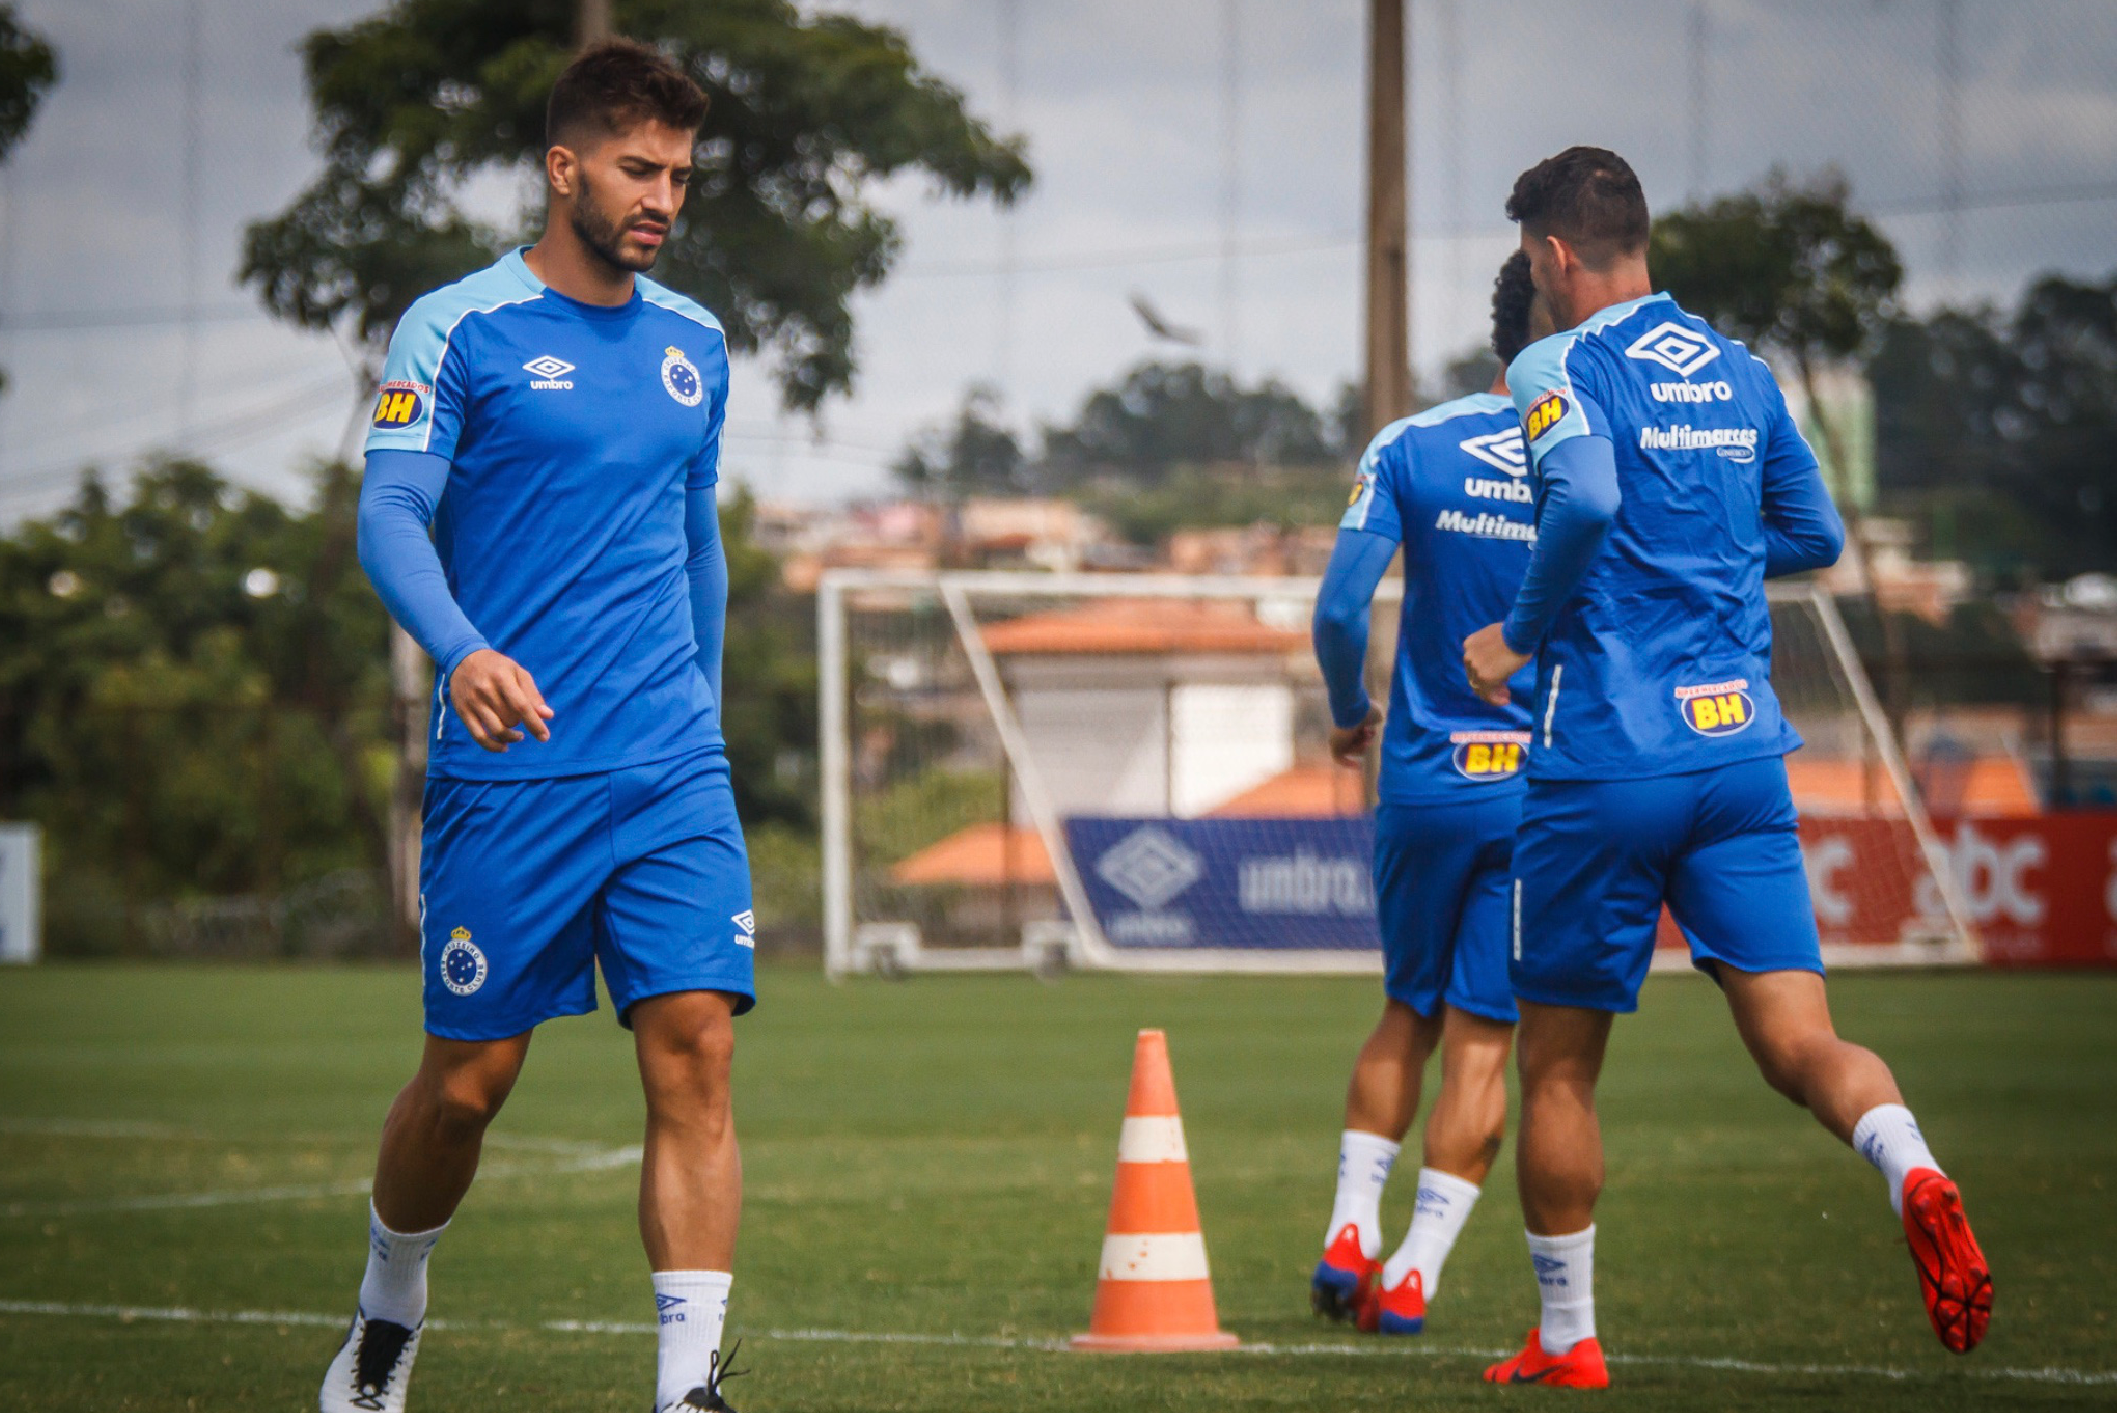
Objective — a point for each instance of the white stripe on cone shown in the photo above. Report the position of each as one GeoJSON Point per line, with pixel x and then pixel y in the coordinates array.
{"type": "Point", "coordinates": [1152, 1140]}
{"type": "Point", "coordinates": [1171, 1256]}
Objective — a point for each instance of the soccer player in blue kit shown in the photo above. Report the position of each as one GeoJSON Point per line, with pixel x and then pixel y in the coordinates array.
{"type": "Point", "coordinates": [1449, 485]}
{"type": "Point", "coordinates": [1671, 482]}
{"type": "Point", "coordinates": [557, 419]}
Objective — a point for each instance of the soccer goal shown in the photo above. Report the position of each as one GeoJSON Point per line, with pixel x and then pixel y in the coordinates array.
{"type": "Point", "coordinates": [1127, 772]}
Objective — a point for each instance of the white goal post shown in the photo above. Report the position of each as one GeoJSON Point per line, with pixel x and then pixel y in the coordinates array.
{"type": "Point", "coordinates": [980, 728]}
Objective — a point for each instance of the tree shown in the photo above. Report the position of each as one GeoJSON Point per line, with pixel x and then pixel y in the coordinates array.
{"type": "Point", "coordinates": [1162, 415]}
{"type": "Point", "coordinates": [1999, 429]}
{"type": "Point", "coordinates": [191, 696]}
{"type": "Point", "coordinates": [28, 69]}
{"type": "Point", "coordinates": [807, 113]}
{"type": "Point", "coordinates": [975, 455]}
{"type": "Point", "coordinates": [1787, 269]}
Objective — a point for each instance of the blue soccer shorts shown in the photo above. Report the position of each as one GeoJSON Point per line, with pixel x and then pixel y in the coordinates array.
{"type": "Point", "coordinates": [1596, 859]}
{"type": "Point", "coordinates": [525, 885]}
{"type": "Point", "coordinates": [1441, 893]}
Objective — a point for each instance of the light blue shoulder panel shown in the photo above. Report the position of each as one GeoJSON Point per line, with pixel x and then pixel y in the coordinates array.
{"type": "Point", "coordinates": [405, 405]}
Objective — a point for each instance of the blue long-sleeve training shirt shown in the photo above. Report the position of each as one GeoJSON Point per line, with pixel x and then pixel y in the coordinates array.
{"type": "Point", "coordinates": [565, 454]}
{"type": "Point", "coordinates": [1450, 485]}
{"type": "Point", "coordinates": [1671, 482]}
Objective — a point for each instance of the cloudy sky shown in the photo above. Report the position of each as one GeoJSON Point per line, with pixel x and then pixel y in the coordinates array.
{"type": "Point", "coordinates": [1143, 185]}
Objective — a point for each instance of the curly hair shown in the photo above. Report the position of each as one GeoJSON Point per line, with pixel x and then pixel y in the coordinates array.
{"type": "Point", "coordinates": [1512, 293]}
{"type": "Point", "coordinates": [614, 86]}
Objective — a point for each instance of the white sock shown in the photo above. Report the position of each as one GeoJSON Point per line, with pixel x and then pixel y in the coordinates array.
{"type": "Point", "coordinates": [692, 1306]}
{"type": "Point", "coordinates": [1888, 1137]}
{"type": "Point", "coordinates": [1445, 1203]}
{"type": "Point", "coordinates": [1364, 1161]}
{"type": "Point", "coordinates": [395, 1286]}
{"type": "Point", "coordinates": [1566, 1279]}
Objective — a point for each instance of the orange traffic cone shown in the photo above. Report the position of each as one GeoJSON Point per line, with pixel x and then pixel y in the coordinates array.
{"type": "Point", "coordinates": [1153, 1291]}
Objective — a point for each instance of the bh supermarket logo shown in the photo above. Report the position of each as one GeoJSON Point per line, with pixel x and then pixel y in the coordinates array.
{"type": "Point", "coordinates": [401, 404]}
{"type": "Point", "coordinates": [1149, 867]}
{"type": "Point", "coordinates": [462, 964]}
{"type": "Point", "coordinates": [1545, 413]}
{"type": "Point", "coordinates": [1718, 708]}
{"type": "Point", "coordinates": [1488, 755]}
{"type": "Point", "coordinates": [1675, 348]}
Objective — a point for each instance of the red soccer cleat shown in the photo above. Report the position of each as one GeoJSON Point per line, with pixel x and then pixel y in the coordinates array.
{"type": "Point", "coordinates": [1400, 1310]}
{"type": "Point", "coordinates": [1953, 1277]}
{"type": "Point", "coordinates": [1580, 1367]}
{"type": "Point", "coordinates": [1344, 1278]}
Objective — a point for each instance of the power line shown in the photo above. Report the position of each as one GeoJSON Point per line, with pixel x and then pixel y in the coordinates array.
{"type": "Point", "coordinates": [149, 316]}
{"type": "Point", "coordinates": [1952, 143]}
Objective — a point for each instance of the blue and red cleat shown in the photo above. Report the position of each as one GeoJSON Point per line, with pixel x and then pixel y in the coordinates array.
{"type": "Point", "coordinates": [1344, 1277]}
{"type": "Point", "coordinates": [1580, 1367]}
{"type": "Point", "coordinates": [1400, 1309]}
{"type": "Point", "coordinates": [1954, 1279]}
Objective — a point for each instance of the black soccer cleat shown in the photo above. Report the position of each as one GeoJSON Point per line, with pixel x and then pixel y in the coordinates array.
{"type": "Point", "coordinates": [706, 1398]}
{"type": "Point", "coordinates": [372, 1369]}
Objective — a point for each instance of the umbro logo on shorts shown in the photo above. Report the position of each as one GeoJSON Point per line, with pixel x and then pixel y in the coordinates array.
{"type": "Point", "coordinates": [747, 921]}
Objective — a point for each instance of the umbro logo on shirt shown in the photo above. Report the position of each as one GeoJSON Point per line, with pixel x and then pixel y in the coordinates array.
{"type": "Point", "coordinates": [551, 372]}
{"type": "Point", "coordinates": [1674, 347]}
{"type": "Point", "coordinates": [1501, 450]}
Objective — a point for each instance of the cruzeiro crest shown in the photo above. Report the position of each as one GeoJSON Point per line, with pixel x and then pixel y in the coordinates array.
{"type": "Point", "coordinates": [462, 964]}
{"type": "Point", "coordinates": [681, 378]}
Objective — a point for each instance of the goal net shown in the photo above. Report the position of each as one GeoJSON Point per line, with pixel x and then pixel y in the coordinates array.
{"type": "Point", "coordinates": [1127, 772]}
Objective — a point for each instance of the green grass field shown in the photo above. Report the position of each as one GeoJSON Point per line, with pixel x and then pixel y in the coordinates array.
{"type": "Point", "coordinates": [933, 1159]}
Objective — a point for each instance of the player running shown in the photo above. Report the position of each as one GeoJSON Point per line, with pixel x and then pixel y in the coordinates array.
{"type": "Point", "coordinates": [577, 805]}
{"type": "Point", "coordinates": [1449, 485]}
{"type": "Point", "coordinates": [1671, 483]}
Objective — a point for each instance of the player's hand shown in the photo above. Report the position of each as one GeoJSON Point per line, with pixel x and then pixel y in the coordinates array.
{"type": "Point", "coordinates": [1349, 744]}
{"type": "Point", "coordinates": [498, 700]}
{"type": "Point", "coordinates": [1489, 662]}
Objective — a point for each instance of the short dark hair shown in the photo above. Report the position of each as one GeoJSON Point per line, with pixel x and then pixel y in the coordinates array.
{"type": "Point", "coordinates": [614, 86]}
{"type": "Point", "coordinates": [1589, 198]}
{"type": "Point", "coordinates": [1512, 293]}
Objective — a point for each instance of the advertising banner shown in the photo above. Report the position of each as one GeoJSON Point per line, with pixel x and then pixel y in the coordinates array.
{"type": "Point", "coordinates": [1282, 884]}
{"type": "Point", "coordinates": [2040, 888]}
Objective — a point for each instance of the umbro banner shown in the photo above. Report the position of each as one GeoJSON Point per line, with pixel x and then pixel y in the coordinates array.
{"type": "Point", "coordinates": [1280, 884]}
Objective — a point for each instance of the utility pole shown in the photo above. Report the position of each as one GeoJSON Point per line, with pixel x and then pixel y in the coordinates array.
{"type": "Point", "coordinates": [591, 22]}
{"type": "Point", "coordinates": [188, 356]}
{"type": "Point", "coordinates": [1386, 368]}
{"type": "Point", "coordinates": [1949, 61]}
{"type": "Point", "coordinates": [1700, 37]}
{"type": "Point", "coordinates": [1231, 178]}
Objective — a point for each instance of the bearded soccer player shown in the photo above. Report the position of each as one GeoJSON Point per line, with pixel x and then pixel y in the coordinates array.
{"type": "Point", "coordinates": [1671, 483]}
{"type": "Point", "coordinates": [1449, 485]}
{"type": "Point", "coordinates": [557, 419]}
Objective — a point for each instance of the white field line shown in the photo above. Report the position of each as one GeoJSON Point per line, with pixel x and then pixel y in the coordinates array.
{"type": "Point", "coordinates": [1400, 1349]}
{"type": "Point", "coordinates": [132, 1130]}
{"type": "Point", "coordinates": [594, 1160]}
